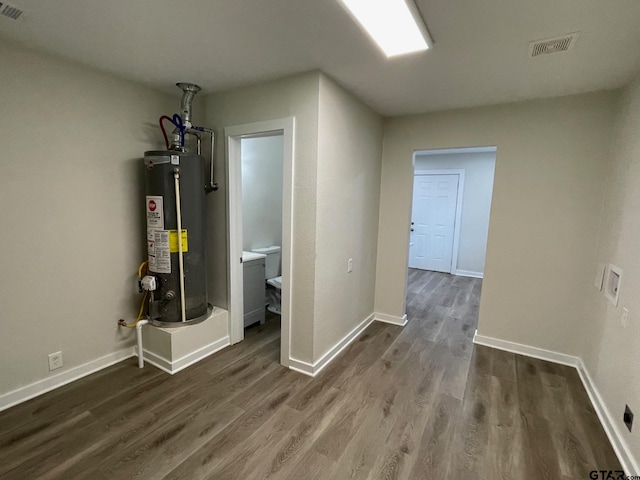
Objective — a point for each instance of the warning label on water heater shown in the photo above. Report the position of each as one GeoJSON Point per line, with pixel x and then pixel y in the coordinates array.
{"type": "Point", "coordinates": [159, 255]}
{"type": "Point", "coordinates": [155, 212]}
{"type": "Point", "coordinates": [173, 241]}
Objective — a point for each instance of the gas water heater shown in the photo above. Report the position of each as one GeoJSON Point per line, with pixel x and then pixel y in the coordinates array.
{"type": "Point", "coordinates": [175, 283]}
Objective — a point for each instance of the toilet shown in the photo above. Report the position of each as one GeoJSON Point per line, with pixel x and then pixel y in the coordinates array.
{"type": "Point", "coordinates": [272, 276]}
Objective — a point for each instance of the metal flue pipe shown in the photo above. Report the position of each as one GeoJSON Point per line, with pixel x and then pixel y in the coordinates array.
{"type": "Point", "coordinates": [189, 91]}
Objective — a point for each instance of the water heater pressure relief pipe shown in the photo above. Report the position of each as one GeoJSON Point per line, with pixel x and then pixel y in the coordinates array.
{"type": "Point", "coordinates": [176, 182]}
{"type": "Point", "coordinates": [139, 339]}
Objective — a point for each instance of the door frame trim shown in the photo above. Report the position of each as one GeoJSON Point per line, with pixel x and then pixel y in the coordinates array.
{"type": "Point", "coordinates": [233, 136]}
{"type": "Point", "coordinates": [458, 217]}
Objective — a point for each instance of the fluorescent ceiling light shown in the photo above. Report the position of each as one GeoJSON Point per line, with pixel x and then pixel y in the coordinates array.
{"type": "Point", "coordinates": [394, 25]}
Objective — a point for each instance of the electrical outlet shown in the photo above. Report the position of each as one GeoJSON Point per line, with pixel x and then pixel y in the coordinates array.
{"type": "Point", "coordinates": [624, 317]}
{"type": "Point", "coordinates": [350, 265]}
{"type": "Point", "coordinates": [55, 360]}
{"type": "Point", "coordinates": [628, 417]}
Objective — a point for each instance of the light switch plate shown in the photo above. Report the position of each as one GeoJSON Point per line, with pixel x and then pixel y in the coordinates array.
{"type": "Point", "coordinates": [612, 284]}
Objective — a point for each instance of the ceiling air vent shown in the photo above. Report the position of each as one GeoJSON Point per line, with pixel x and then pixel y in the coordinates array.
{"type": "Point", "coordinates": [9, 11]}
{"type": "Point", "coordinates": [552, 45]}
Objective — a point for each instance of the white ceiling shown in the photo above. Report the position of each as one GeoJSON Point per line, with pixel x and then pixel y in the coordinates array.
{"type": "Point", "coordinates": [480, 54]}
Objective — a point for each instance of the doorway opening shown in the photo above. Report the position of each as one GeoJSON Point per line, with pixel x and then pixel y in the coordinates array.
{"type": "Point", "coordinates": [452, 192]}
{"type": "Point", "coordinates": [260, 188]}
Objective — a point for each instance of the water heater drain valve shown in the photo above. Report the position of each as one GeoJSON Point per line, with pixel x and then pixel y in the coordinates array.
{"type": "Point", "coordinates": [149, 283]}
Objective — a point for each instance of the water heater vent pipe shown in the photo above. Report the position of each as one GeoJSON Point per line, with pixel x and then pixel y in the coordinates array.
{"type": "Point", "coordinates": [189, 91]}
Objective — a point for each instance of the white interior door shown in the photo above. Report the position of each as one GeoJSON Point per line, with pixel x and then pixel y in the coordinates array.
{"type": "Point", "coordinates": [433, 222]}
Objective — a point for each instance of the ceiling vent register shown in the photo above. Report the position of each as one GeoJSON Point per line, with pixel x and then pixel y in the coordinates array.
{"type": "Point", "coordinates": [552, 45]}
{"type": "Point", "coordinates": [10, 11]}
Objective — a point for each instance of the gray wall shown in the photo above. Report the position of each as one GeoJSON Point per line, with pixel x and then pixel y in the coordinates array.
{"type": "Point", "coordinates": [349, 168]}
{"type": "Point", "coordinates": [476, 202]}
{"type": "Point", "coordinates": [295, 96]}
{"type": "Point", "coordinates": [72, 216]}
{"type": "Point", "coordinates": [611, 352]}
{"type": "Point", "coordinates": [548, 189]}
{"type": "Point", "coordinates": [261, 191]}
{"type": "Point", "coordinates": [337, 161]}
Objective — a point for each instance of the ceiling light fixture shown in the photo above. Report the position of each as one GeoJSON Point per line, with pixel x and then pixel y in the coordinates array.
{"type": "Point", "coordinates": [395, 25]}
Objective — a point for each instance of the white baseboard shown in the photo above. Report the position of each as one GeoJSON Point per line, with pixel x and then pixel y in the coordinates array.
{"type": "Point", "coordinates": [469, 273]}
{"type": "Point", "coordinates": [175, 366]}
{"type": "Point", "coordinates": [58, 380]}
{"type": "Point", "coordinates": [383, 317]}
{"type": "Point", "coordinates": [301, 366]}
{"type": "Point", "coordinates": [312, 369]}
{"type": "Point", "coordinates": [611, 428]}
{"type": "Point", "coordinates": [526, 350]}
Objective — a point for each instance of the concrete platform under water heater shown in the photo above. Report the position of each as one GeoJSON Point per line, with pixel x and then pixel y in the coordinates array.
{"type": "Point", "coordinates": [175, 348]}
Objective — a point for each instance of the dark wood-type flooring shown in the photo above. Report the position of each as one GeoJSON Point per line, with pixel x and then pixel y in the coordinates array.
{"type": "Point", "coordinates": [415, 403]}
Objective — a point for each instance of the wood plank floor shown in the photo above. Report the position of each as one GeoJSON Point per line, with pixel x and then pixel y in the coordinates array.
{"type": "Point", "coordinates": [415, 403]}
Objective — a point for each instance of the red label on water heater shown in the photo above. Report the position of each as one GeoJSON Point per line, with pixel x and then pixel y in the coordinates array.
{"type": "Point", "coordinates": [152, 205]}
